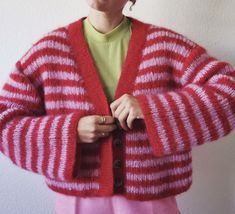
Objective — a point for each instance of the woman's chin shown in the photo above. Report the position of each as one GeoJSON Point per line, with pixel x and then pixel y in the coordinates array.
{"type": "Point", "coordinates": [99, 6]}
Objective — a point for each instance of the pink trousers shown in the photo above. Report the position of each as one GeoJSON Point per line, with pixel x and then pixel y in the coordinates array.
{"type": "Point", "coordinates": [116, 204]}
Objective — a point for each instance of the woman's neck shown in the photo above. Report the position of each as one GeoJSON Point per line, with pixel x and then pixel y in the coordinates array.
{"type": "Point", "coordinates": [103, 21]}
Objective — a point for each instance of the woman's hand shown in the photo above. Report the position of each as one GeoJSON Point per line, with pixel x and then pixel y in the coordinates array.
{"type": "Point", "coordinates": [92, 127]}
{"type": "Point", "coordinates": [126, 109]}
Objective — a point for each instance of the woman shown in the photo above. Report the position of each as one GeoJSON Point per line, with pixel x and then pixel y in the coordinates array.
{"type": "Point", "coordinates": [108, 109]}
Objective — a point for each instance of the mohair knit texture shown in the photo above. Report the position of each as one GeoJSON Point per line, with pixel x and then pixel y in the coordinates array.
{"type": "Point", "coordinates": [186, 95]}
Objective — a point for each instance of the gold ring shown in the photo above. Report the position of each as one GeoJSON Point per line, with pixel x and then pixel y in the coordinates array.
{"type": "Point", "coordinates": [103, 120]}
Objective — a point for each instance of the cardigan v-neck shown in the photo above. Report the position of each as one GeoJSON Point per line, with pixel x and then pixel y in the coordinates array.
{"type": "Point", "coordinates": [108, 51]}
{"type": "Point", "coordinates": [89, 71]}
{"type": "Point", "coordinates": [93, 82]}
{"type": "Point", "coordinates": [93, 35]}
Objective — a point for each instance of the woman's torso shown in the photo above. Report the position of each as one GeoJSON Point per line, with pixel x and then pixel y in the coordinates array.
{"type": "Point", "coordinates": [109, 51]}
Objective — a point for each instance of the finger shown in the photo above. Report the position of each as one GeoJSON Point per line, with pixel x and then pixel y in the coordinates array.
{"type": "Point", "coordinates": [106, 128]}
{"type": "Point", "coordinates": [108, 119]}
{"type": "Point", "coordinates": [130, 120]}
{"type": "Point", "coordinates": [122, 119]}
{"type": "Point", "coordinates": [115, 104]}
{"type": "Point", "coordinates": [119, 109]}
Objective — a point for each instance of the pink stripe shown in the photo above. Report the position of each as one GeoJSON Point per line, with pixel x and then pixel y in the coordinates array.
{"type": "Point", "coordinates": [158, 161]}
{"type": "Point", "coordinates": [18, 96]}
{"type": "Point", "coordinates": [18, 85]}
{"type": "Point", "coordinates": [152, 91]}
{"type": "Point", "coordinates": [166, 33]}
{"type": "Point", "coordinates": [17, 106]}
{"type": "Point", "coordinates": [155, 61]}
{"type": "Point", "coordinates": [227, 109]}
{"type": "Point", "coordinates": [200, 120]}
{"type": "Point", "coordinates": [158, 124]}
{"type": "Point", "coordinates": [17, 139]}
{"type": "Point", "coordinates": [214, 79]}
{"type": "Point", "coordinates": [28, 140]}
{"type": "Point", "coordinates": [65, 141]}
{"type": "Point", "coordinates": [225, 89]}
{"type": "Point", "coordinates": [184, 115]}
{"type": "Point", "coordinates": [136, 136]}
{"type": "Point", "coordinates": [74, 185]}
{"type": "Point", "coordinates": [58, 34]}
{"type": "Point", "coordinates": [172, 122]}
{"type": "Point", "coordinates": [61, 75]}
{"type": "Point", "coordinates": [5, 140]}
{"type": "Point", "coordinates": [203, 72]}
{"type": "Point", "coordinates": [211, 109]}
{"type": "Point", "coordinates": [151, 77]}
{"type": "Point", "coordinates": [43, 45]}
{"type": "Point", "coordinates": [48, 59]}
{"type": "Point", "coordinates": [50, 105]}
{"type": "Point", "coordinates": [170, 46]}
{"type": "Point", "coordinates": [40, 144]}
{"type": "Point", "coordinates": [5, 130]}
{"type": "Point", "coordinates": [67, 90]}
{"type": "Point", "coordinates": [190, 70]}
{"type": "Point", "coordinates": [227, 70]}
{"type": "Point", "coordinates": [158, 175]}
{"type": "Point", "coordinates": [139, 150]}
{"type": "Point", "coordinates": [158, 189]}
{"type": "Point", "coordinates": [52, 142]}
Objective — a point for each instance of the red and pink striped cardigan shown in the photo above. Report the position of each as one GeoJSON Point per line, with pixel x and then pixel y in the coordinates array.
{"type": "Point", "coordinates": [186, 95]}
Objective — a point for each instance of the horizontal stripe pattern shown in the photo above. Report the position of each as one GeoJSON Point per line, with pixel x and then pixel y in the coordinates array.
{"type": "Point", "coordinates": [160, 61]}
{"type": "Point", "coordinates": [73, 185]}
{"type": "Point", "coordinates": [155, 190]}
{"type": "Point", "coordinates": [57, 33]}
{"type": "Point", "coordinates": [139, 150]}
{"type": "Point", "coordinates": [167, 46]}
{"type": "Point", "coordinates": [156, 32]}
{"type": "Point", "coordinates": [151, 77]}
{"type": "Point", "coordinates": [61, 104]}
{"type": "Point", "coordinates": [60, 75]}
{"type": "Point", "coordinates": [186, 96]}
{"type": "Point", "coordinates": [202, 58]}
{"type": "Point", "coordinates": [19, 96]}
{"type": "Point", "coordinates": [43, 45]}
{"type": "Point", "coordinates": [47, 59]}
{"type": "Point", "coordinates": [26, 135]}
{"type": "Point", "coordinates": [191, 115]}
{"type": "Point", "coordinates": [67, 90]}
{"type": "Point", "coordinates": [157, 161]}
{"type": "Point", "coordinates": [158, 175]}
{"type": "Point", "coordinates": [136, 136]}
{"type": "Point", "coordinates": [148, 91]}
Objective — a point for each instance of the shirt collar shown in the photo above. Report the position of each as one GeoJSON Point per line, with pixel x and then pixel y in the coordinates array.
{"type": "Point", "coordinates": [116, 33]}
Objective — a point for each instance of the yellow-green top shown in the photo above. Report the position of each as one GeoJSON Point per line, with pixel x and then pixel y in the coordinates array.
{"type": "Point", "coordinates": [108, 51]}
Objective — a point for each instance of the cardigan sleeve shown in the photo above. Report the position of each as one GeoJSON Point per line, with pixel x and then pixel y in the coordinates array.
{"type": "Point", "coordinates": [34, 141]}
{"type": "Point", "coordinates": [201, 110]}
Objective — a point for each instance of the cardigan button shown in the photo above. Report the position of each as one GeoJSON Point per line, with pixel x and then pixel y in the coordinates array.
{"type": "Point", "coordinates": [117, 142]}
{"type": "Point", "coordinates": [117, 163]}
{"type": "Point", "coordinates": [118, 182]}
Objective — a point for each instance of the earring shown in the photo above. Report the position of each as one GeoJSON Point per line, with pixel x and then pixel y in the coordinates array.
{"type": "Point", "coordinates": [130, 8]}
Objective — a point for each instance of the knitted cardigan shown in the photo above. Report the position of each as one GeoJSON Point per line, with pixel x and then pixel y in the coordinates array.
{"type": "Point", "coordinates": [186, 95]}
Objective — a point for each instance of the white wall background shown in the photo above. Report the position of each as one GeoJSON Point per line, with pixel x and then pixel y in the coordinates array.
{"type": "Point", "coordinates": [208, 22]}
